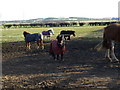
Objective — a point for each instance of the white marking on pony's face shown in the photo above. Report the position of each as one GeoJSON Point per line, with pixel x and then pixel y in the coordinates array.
{"type": "Point", "coordinates": [113, 43]}
{"type": "Point", "coordinates": [51, 31]}
{"type": "Point", "coordinates": [63, 38]}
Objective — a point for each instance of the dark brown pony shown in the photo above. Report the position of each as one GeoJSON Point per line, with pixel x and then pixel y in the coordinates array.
{"type": "Point", "coordinates": [67, 33]}
{"type": "Point", "coordinates": [33, 37]}
{"type": "Point", "coordinates": [58, 47]}
{"type": "Point", "coordinates": [111, 34]}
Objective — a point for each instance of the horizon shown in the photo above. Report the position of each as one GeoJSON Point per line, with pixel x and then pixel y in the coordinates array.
{"type": "Point", "coordinates": [33, 9]}
{"type": "Point", "coordinates": [59, 17]}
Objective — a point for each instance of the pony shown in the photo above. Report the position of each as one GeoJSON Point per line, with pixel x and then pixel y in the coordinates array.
{"type": "Point", "coordinates": [67, 33]}
{"type": "Point", "coordinates": [111, 35]}
{"type": "Point", "coordinates": [48, 33]}
{"type": "Point", "coordinates": [33, 37]}
{"type": "Point", "coordinates": [58, 47]}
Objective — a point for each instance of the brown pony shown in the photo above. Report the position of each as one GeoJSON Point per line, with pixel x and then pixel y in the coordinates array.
{"type": "Point", "coordinates": [33, 37]}
{"type": "Point", "coordinates": [111, 34]}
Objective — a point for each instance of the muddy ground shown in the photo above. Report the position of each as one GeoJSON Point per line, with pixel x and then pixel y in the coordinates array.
{"type": "Point", "coordinates": [82, 67]}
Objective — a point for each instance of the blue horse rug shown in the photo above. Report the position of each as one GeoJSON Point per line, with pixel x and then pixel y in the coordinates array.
{"type": "Point", "coordinates": [33, 37]}
{"type": "Point", "coordinates": [46, 33]}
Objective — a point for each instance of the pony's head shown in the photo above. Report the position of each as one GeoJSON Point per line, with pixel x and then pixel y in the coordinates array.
{"type": "Point", "coordinates": [51, 31]}
{"type": "Point", "coordinates": [74, 33]}
{"type": "Point", "coordinates": [60, 39]}
{"type": "Point", "coordinates": [25, 33]}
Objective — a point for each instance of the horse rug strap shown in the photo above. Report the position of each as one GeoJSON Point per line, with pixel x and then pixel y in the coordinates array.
{"type": "Point", "coordinates": [33, 37]}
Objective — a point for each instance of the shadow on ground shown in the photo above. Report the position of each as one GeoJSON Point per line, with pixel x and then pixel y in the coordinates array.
{"type": "Point", "coordinates": [83, 67]}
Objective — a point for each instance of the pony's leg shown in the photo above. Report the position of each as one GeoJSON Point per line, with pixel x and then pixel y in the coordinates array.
{"type": "Point", "coordinates": [68, 38]}
{"type": "Point", "coordinates": [43, 37]}
{"type": "Point", "coordinates": [113, 52]}
{"type": "Point", "coordinates": [41, 44]}
{"type": "Point", "coordinates": [28, 45]}
{"type": "Point", "coordinates": [53, 55]}
{"type": "Point", "coordinates": [62, 57]}
{"type": "Point", "coordinates": [57, 57]}
{"type": "Point", "coordinates": [65, 38]}
{"type": "Point", "coordinates": [48, 37]}
{"type": "Point", "coordinates": [38, 44]}
{"type": "Point", "coordinates": [107, 54]}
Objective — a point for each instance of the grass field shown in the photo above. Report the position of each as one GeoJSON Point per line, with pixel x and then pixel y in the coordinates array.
{"type": "Point", "coordinates": [15, 34]}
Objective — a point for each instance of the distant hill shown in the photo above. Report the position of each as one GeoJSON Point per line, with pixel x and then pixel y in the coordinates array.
{"type": "Point", "coordinates": [53, 19]}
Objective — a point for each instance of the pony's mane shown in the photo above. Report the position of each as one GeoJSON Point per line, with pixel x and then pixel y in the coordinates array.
{"type": "Point", "coordinates": [60, 39]}
{"type": "Point", "coordinates": [25, 33]}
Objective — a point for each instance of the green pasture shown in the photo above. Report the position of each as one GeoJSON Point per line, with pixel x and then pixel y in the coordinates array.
{"type": "Point", "coordinates": [15, 34]}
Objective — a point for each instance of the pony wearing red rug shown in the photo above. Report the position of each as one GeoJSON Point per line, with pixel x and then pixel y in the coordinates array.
{"type": "Point", "coordinates": [58, 47]}
{"type": "Point", "coordinates": [110, 36]}
{"type": "Point", "coordinates": [33, 37]}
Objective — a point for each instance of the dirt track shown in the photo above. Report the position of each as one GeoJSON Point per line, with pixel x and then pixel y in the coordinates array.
{"type": "Point", "coordinates": [83, 67]}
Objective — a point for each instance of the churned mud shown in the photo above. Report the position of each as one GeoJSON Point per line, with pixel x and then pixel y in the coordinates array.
{"type": "Point", "coordinates": [83, 67]}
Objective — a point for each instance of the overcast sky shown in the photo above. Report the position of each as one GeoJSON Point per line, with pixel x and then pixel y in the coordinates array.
{"type": "Point", "coordinates": [31, 9]}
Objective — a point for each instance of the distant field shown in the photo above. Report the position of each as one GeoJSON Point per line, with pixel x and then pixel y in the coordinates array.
{"type": "Point", "coordinates": [15, 34]}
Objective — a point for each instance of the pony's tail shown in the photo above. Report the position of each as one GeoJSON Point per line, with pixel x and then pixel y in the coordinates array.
{"type": "Point", "coordinates": [106, 44]}
{"type": "Point", "coordinates": [102, 45]}
{"type": "Point", "coordinates": [99, 46]}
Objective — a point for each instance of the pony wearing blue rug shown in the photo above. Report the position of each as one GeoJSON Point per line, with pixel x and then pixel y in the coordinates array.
{"type": "Point", "coordinates": [33, 37]}
{"type": "Point", "coordinates": [48, 33]}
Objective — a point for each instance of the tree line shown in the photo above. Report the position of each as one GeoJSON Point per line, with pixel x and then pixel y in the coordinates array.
{"type": "Point", "coordinates": [57, 24]}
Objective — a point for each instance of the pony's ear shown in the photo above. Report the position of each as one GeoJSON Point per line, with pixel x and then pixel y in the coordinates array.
{"type": "Point", "coordinates": [24, 32]}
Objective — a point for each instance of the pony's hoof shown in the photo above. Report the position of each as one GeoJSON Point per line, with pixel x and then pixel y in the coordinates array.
{"type": "Point", "coordinates": [38, 47]}
{"type": "Point", "coordinates": [42, 48]}
{"type": "Point", "coordinates": [28, 49]}
{"type": "Point", "coordinates": [116, 61]}
{"type": "Point", "coordinates": [55, 59]}
{"type": "Point", "coordinates": [109, 59]}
